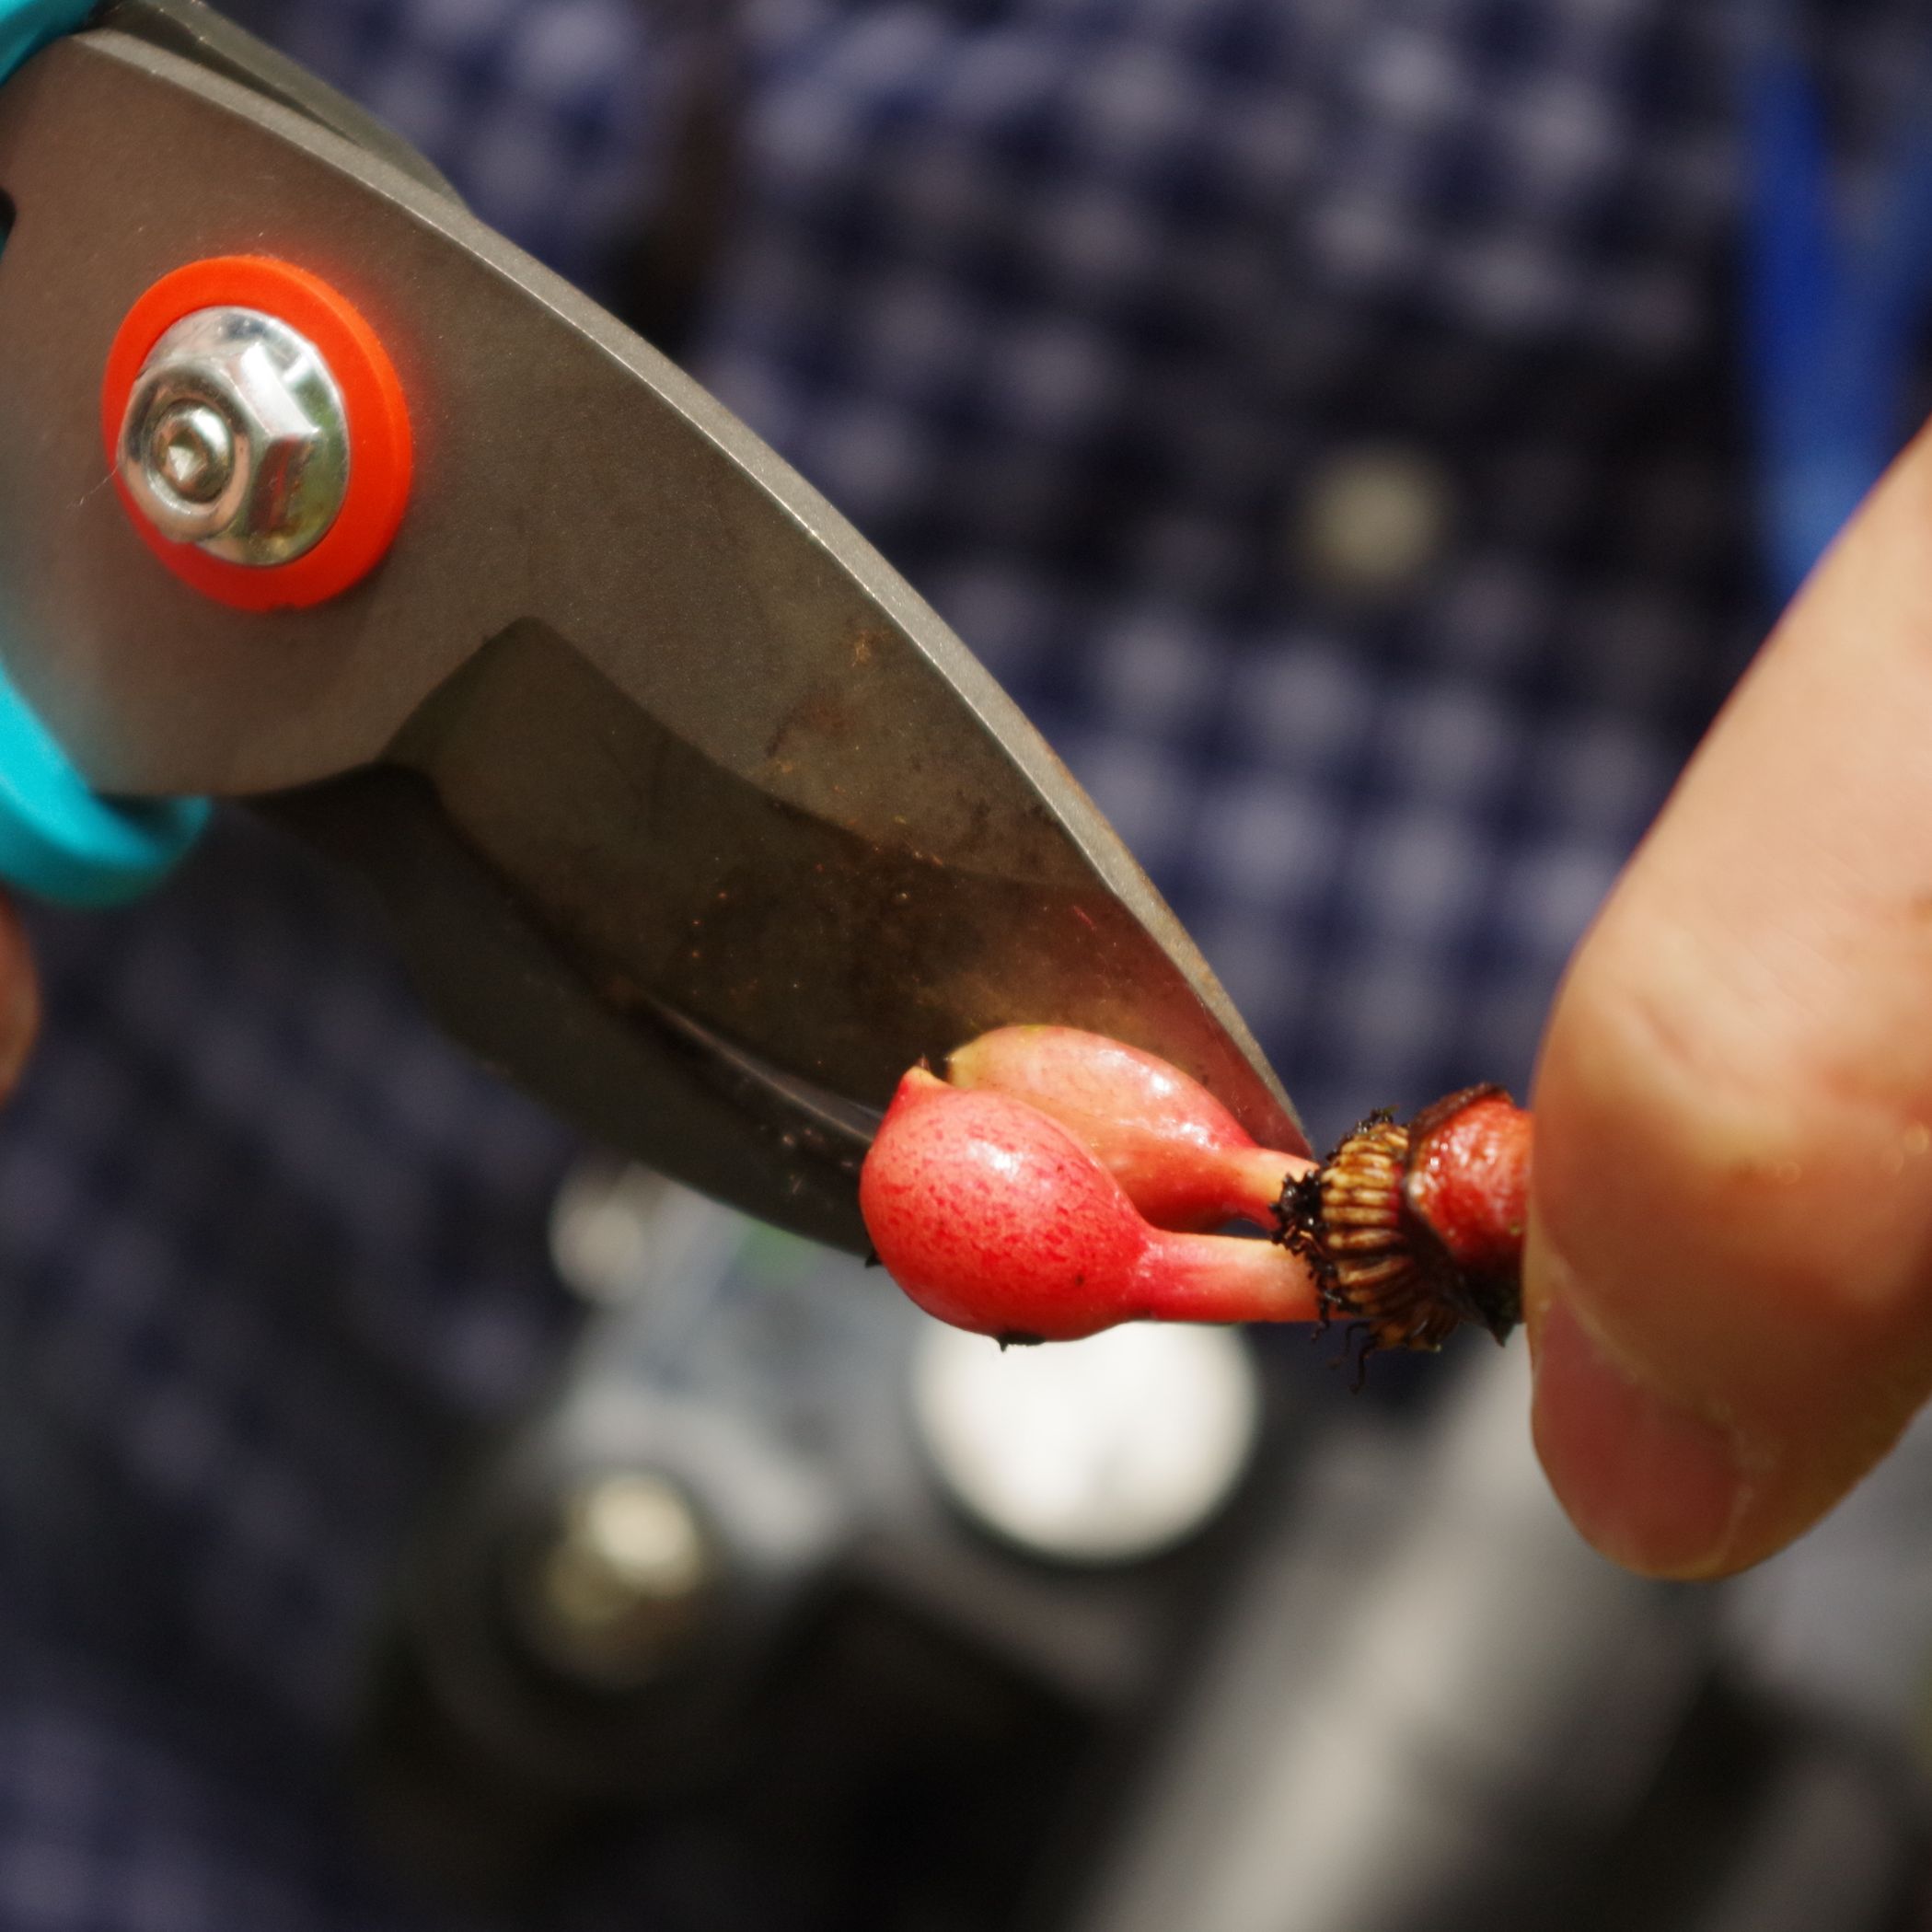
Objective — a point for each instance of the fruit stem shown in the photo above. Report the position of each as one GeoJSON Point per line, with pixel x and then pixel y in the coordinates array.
{"type": "Point", "coordinates": [1225, 1278]}
{"type": "Point", "coordinates": [1257, 1176]}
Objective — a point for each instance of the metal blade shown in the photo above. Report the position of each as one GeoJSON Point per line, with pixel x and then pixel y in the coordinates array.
{"type": "Point", "coordinates": [193, 29]}
{"type": "Point", "coordinates": [711, 749]}
{"type": "Point", "coordinates": [839, 947]}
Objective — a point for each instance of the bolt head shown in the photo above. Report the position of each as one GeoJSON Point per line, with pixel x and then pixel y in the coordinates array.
{"type": "Point", "coordinates": [192, 451]}
{"type": "Point", "coordinates": [236, 438]}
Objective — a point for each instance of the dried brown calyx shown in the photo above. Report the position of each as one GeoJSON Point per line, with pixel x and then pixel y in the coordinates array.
{"type": "Point", "coordinates": [1414, 1229]}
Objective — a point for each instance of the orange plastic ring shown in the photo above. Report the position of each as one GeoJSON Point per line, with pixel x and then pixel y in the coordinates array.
{"type": "Point", "coordinates": [381, 451]}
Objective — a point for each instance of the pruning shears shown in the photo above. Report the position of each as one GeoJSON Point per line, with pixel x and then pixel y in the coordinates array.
{"type": "Point", "coordinates": [317, 494]}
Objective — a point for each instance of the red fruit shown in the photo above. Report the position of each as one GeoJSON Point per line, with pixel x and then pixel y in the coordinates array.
{"type": "Point", "coordinates": [1469, 1179]}
{"type": "Point", "coordinates": [1056, 1187]}
{"type": "Point", "coordinates": [993, 1216]}
{"type": "Point", "coordinates": [1182, 1159]}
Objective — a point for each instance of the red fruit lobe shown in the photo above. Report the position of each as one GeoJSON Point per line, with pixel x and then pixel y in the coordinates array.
{"type": "Point", "coordinates": [1469, 1179]}
{"type": "Point", "coordinates": [994, 1218]}
{"type": "Point", "coordinates": [1182, 1159]}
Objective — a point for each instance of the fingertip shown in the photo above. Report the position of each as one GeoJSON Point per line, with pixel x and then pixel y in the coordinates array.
{"type": "Point", "coordinates": [1647, 1484]}
{"type": "Point", "coordinates": [1730, 1215]}
{"type": "Point", "coordinates": [1697, 1352]}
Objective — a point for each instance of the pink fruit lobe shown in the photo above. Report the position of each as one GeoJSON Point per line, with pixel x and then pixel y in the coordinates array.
{"type": "Point", "coordinates": [1182, 1159]}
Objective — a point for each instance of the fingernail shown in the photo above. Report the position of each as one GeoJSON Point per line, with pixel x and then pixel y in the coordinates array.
{"type": "Point", "coordinates": [1653, 1488]}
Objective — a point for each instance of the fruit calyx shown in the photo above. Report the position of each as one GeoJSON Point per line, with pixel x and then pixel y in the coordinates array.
{"type": "Point", "coordinates": [1414, 1229]}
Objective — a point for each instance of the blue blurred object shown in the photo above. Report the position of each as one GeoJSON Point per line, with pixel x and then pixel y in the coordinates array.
{"type": "Point", "coordinates": [1837, 296]}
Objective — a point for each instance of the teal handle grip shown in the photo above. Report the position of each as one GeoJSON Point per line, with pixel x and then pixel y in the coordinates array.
{"type": "Point", "coordinates": [59, 839]}
{"type": "Point", "coordinates": [26, 25]}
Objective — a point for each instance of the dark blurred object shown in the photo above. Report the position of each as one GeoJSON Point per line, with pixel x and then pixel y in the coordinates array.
{"type": "Point", "coordinates": [1433, 1707]}
{"type": "Point", "coordinates": [1765, 1817]}
{"type": "Point", "coordinates": [1382, 1687]}
{"type": "Point", "coordinates": [889, 1714]}
{"type": "Point", "coordinates": [662, 277]}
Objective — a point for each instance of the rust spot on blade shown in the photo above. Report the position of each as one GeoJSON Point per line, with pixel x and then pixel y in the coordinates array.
{"type": "Point", "coordinates": [830, 713]}
{"type": "Point", "coordinates": [824, 712]}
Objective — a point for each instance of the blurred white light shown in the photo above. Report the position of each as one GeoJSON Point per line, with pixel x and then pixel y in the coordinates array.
{"type": "Point", "coordinates": [1105, 1450]}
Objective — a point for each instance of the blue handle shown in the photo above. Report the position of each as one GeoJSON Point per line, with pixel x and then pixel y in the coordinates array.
{"type": "Point", "coordinates": [60, 841]}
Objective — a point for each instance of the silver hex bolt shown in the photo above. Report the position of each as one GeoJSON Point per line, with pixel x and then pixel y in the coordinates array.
{"type": "Point", "coordinates": [236, 438]}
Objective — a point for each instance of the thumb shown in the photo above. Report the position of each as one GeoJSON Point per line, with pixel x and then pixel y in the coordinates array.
{"type": "Point", "coordinates": [1729, 1276]}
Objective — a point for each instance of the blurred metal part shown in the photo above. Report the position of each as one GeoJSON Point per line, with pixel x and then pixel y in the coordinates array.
{"type": "Point", "coordinates": [621, 1584]}
{"type": "Point", "coordinates": [593, 1693]}
{"type": "Point", "coordinates": [851, 1630]}
{"type": "Point", "coordinates": [1106, 1451]}
{"type": "Point", "coordinates": [1410, 1725]}
{"type": "Point", "coordinates": [610, 1696]}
